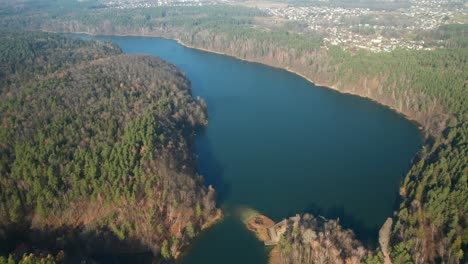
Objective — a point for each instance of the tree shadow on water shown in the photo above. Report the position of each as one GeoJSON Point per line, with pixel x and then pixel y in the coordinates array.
{"type": "Point", "coordinates": [367, 235]}
{"type": "Point", "coordinates": [209, 167]}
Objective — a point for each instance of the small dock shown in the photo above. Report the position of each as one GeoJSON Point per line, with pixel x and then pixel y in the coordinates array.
{"type": "Point", "coordinates": [275, 231]}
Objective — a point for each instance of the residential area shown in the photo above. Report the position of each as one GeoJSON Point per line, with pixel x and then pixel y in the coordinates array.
{"type": "Point", "coordinates": [376, 29]}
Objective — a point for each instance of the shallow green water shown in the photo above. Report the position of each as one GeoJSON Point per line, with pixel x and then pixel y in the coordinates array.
{"type": "Point", "coordinates": [280, 145]}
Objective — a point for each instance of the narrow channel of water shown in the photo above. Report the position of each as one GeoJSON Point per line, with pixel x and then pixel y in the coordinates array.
{"type": "Point", "coordinates": [280, 145]}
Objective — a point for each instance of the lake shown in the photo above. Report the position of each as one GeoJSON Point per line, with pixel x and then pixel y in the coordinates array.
{"type": "Point", "coordinates": [281, 145]}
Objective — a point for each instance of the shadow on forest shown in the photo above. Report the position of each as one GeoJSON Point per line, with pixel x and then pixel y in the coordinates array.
{"type": "Point", "coordinates": [81, 245]}
{"type": "Point", "coordinates": [368, 236]}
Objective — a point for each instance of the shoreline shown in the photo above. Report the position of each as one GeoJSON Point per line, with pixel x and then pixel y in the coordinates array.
{"type": "Point", "coordinates": [420, 127]}
{"type": "Point", "coordinates": [316, 84]}
{"type": "Point", "coordinates": [258, 224]}
{"type": "Point", "coordinates": [273, 255]}
{"type": "Point", "coordinates": [215, 219]}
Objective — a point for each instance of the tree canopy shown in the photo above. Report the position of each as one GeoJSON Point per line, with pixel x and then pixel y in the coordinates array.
{"type": "Point", "coordinates": [92, 140]}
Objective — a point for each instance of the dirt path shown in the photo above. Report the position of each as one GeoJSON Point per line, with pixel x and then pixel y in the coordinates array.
{"type": "Point", "coordinates": [384, 239]}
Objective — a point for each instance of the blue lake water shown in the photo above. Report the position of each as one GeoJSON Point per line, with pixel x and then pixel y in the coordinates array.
{"type": "Point", "coordinates": [280, 145]}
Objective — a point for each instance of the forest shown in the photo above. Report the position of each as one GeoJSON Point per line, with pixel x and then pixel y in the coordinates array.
{"type": "Point", "coordinates": [314, 240]}
{"type": "Point", "coordinates": [429, 87]}
{"type": "Point", "coordinates": [96, 151]}
{"type": "Point", "coordinates": [424, 85]}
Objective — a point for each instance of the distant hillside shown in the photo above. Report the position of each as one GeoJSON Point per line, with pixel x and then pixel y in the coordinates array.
{"type": "Point", "coordinates": [96, 149]}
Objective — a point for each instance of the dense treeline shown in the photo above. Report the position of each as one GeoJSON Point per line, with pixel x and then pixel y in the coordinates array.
{"type": "Point", "coordinates": [433, 215]}
{"type": "Point", "coordinates": [95, 141]}
{"type": "Point", "coordinates": [33, 259]}
{"type": "Point", "coordinates": [26, 56]}
{"type": "Point", "coordinates": [312, 240]}
{"type": "Point", "coordinates": [428, 86]}
{"type": "Point", "coordinates": [453, 36]}
{"type": "Point", "coordinates": [131, 21]}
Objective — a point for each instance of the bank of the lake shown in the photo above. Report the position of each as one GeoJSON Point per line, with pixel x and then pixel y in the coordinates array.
{"type": "Point", "coordinates": [280, 145]}
{"type": "Point", "coordinates": [314, 82]}
{"type": "Point", "coordinates": [308, 78]}
{"type": "Point", "coordinates": [258, 224]}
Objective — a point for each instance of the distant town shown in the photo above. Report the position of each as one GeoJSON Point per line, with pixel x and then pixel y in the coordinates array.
{"type": "Point", "coordinates": [351, 27]}
{"type": "Point", "coordinates": [130, 4]}
{"type": "Point", "coordinates": [375, 30]}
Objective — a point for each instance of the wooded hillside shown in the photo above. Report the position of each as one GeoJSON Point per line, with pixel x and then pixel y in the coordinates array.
{"type": "Point", "coordinates": [430, 87]}
{"type": "Point", "coordinates": [96, 148]}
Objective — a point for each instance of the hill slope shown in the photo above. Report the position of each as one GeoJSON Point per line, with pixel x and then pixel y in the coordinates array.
{"type": "Point", "coordinates": [96, 148]}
